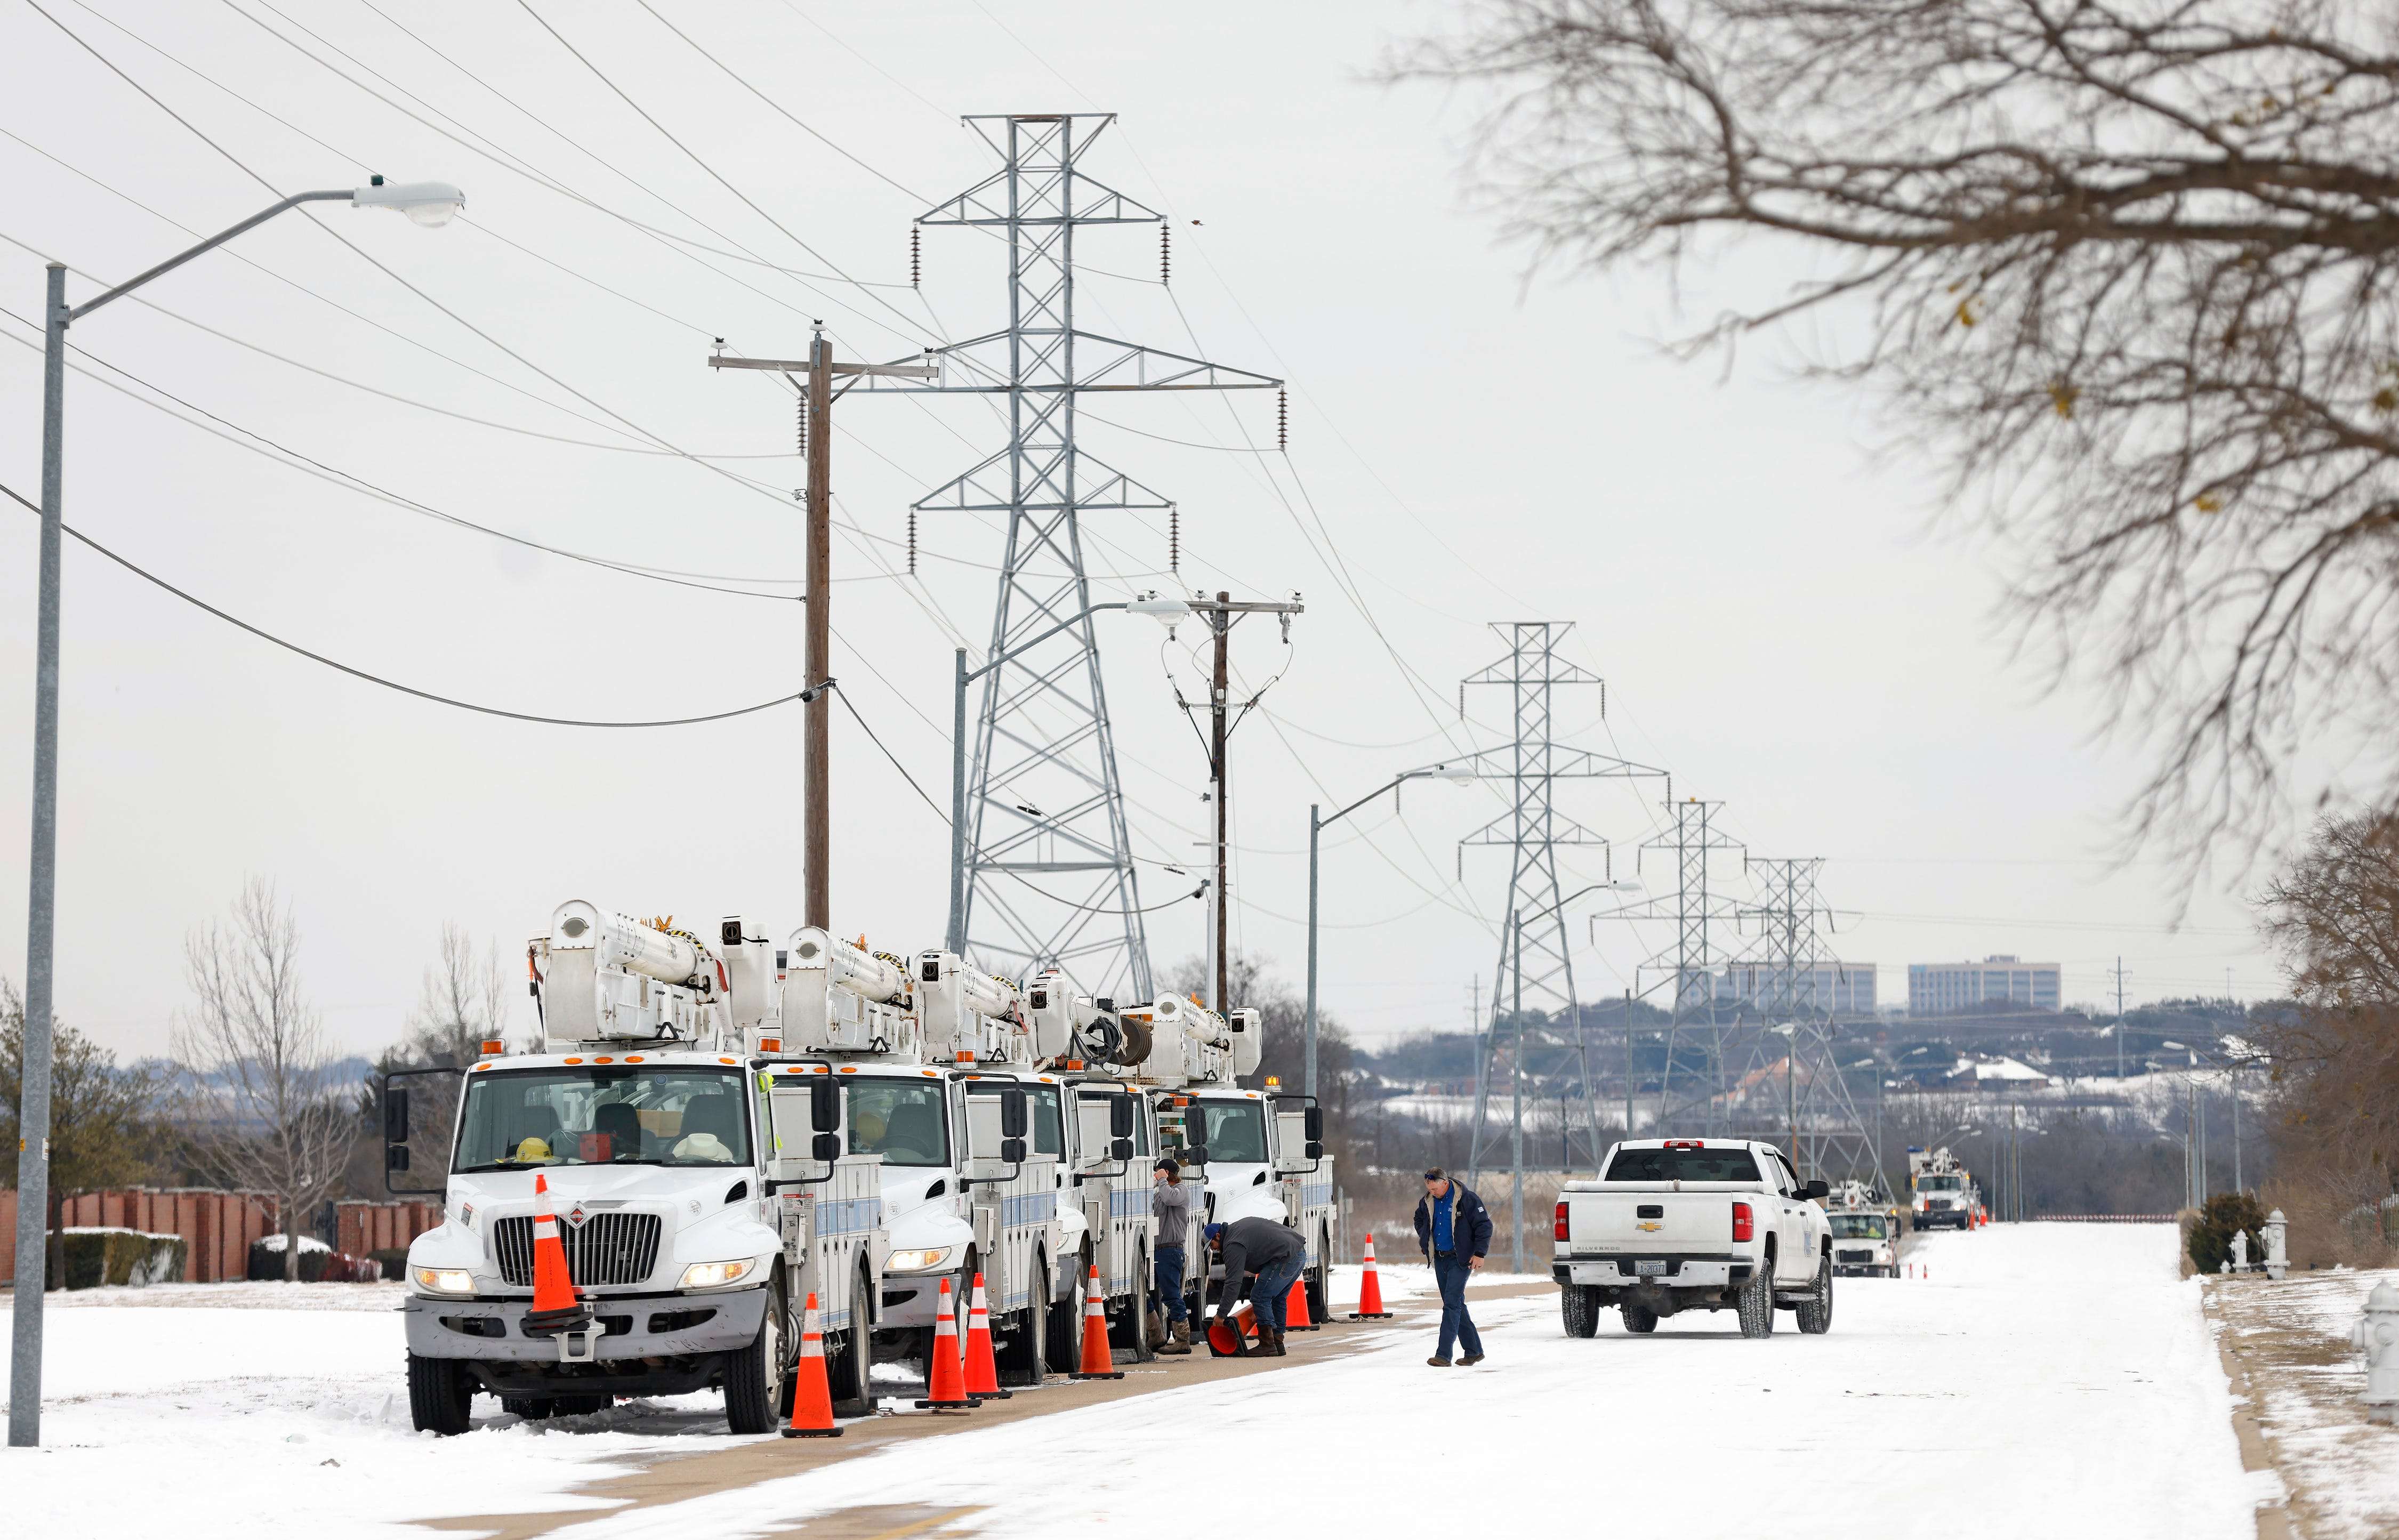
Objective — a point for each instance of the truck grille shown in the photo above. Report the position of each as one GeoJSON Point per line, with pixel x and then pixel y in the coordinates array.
{"type": "Point", "coordinates": [1854, 1256]}
{"type": "Point", "coordinates": [605, 1248]}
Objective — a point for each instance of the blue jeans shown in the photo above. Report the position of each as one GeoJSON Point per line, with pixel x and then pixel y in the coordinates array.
{"type": "Point", "coordinates": [1450, 1274]}
{"type": "Point", "coordinates": [1271, 1296]}
{"type": "Point", "coordinates": [1169, 1282]}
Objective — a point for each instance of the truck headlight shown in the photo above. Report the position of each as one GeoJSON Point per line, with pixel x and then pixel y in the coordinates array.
{"type": "Point", "coordinates": [716, 1274]}
{"type": "Point", "coordinates": [444, 1281]}
{"type": "Point", "coordinates": [919, 1262]}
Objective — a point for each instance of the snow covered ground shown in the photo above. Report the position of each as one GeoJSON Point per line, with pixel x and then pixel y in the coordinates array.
{"type": "Point", "coordinates": [2305, 1380]}
{"type": "Point", "coordinates": [2064, 1366]}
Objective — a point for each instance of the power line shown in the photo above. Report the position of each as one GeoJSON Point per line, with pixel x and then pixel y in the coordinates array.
{"type": "Point", "coordinates": [237, 621]}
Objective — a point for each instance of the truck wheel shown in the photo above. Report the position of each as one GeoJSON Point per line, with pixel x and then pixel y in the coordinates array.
{"type": "Point", "coordinates": [1318, 1281]}
{"type": "Point", "coordinates": [1066, 1322]}
{"type": "Point", "coordinates": [440, 1392]}
{"type": "Point", "coordinates": [1579, 1304]}
{"type": "Point", "coordinates": [1021, 1361]}
{"type": "Point", "coordinates": [1757, 1301]}
{"type": "Point", "coordinates": [753, 1375]}
{"type": "Point", "coordinates": [533, 1409]}
{"type": "Point", "coordinates": [848, 1372]}
{"type": "Point", "coordinates": [1639, 1319]}
{"type": "Point", "coordinates": [1816, 1311]}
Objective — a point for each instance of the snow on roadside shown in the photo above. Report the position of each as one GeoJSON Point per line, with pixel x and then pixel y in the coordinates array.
{"type": "Point", "coordinates": [2293, 1338]}
{"type": "Point", "coordinates": [246, 1406]}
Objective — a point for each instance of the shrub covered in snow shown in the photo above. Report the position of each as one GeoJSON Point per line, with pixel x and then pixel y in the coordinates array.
{"type": "Point", "coordinates": [97, 1254]}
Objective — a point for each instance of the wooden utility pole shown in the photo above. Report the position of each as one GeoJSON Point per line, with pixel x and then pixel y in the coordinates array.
{"type": "Point", "coordinates": [1221, 613]}
{"type": "Point", "coordinates": [816, 395]}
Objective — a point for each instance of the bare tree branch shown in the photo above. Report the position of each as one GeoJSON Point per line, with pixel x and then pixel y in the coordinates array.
{"type": "Point", "coordinates": [2128, 264]}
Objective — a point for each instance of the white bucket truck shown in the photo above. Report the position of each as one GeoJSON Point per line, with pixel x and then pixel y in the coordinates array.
{"type": "Point", "coordinates": [1262, 1152]}
{"type": "Point", "coordinates": [937, 1061]}
{"type": "Point", "coordinates": [697, 1172]}
{"type": "Point", "coordinates": [1104, 1213]}
{"type": "Point", "coordinates": [1941, 1190]}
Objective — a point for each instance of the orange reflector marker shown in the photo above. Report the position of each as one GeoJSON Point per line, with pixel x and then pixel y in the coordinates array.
{"type": "Point", "coordinates": [575, 1060]}
{"type": "Point", "coordinates": [483, 1066]}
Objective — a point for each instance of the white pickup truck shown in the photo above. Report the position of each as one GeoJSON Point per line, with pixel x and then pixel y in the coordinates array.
{"type": "Point", "coordinates": [1679, 1224]}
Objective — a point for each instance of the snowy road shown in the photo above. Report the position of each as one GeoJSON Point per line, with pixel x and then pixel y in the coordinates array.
{"type": "Point", "coordinates": [2061, 1372]}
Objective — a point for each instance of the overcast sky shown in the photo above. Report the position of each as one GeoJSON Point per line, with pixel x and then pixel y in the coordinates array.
{"type": "Point", "coordinates": [1782, 616]}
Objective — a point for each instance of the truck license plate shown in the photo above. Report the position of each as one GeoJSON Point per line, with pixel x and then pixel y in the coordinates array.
{"type": "Point", "coordinates": [1649, 1269]}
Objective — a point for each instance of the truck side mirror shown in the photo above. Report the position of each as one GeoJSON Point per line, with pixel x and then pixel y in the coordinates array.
{"type": "Point", "coordinates": [825, 1109]}
{"type": "Point", "coordinates": [996, 1128]}
{"type": "Point", "coordinates": [1012, 1151]}
{"type": "Point", "coordinates": [801, 1153]}
{"type": "Point", "coordinates": [394, 1119]}
{"type": "Point", "coordinates": [1120, 1150]}
{"type": "Point", "coordinates": [1015, 1119]}
{"type": "Point", "coordinates": [1193, 1155]}
{"type": "Point", "coordinates": [395, 1158]}
{"type": "Point", "coordinates": [1315, 1127]}
{"type": "Point", "coordinates": [1819, 1188]}
{"type": "Point", "coordinates": [1121, 1113]}
{"type": "Point", "coordinates": [1316, 1149]}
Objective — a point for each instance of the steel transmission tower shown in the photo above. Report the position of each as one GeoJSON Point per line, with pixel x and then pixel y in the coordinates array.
{"type": "Point", "coordinates": [1049, 878]}
{"type": "Point", "coordinates": [1792, 1090]}
{"type": "Point", "coordinates": [1535, 968]}
{"type": "Point", "coordinates": [1699, 916]}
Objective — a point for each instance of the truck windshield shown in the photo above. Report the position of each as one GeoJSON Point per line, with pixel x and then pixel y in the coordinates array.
{"type": "Point", "coordinates": [1234, 1130]}
{"type": "Point", "coordinates": [1861, 1228]}
{"type": "Point", "coordinates": [1936, 1184]}
{"type": "Point", "coordinates": [1727, 1163]}
{"type": "Point", "coordinates": [906, 1122]}
{"type": "Point", "coordinates": [670, 1115]}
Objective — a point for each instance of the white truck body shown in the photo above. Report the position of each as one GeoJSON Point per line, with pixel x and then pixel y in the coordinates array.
{"type": "Point", "coordinates": [701, 1189]}
{"type": "Point", "coordinates": [926, 1049]}
{"type": "Point", "coordinates": [1260, 1161]}
{"type": "Point", "coordinates": [1866, 1243]}
{"type": "Point", "coordinates": [1942, 1192]}
{"type": "Point", "coordinates": [1692, 1224]}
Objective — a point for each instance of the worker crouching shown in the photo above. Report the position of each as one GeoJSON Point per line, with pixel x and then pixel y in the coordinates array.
{"type": "Point", "coordinates": [1275, 1255]}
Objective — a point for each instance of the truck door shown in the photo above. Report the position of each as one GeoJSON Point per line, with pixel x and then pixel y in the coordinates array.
{"type": "Point", "coordinates": [1795, 1257]}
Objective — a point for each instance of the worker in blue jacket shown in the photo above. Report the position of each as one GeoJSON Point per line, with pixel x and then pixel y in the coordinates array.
{"type": "Point", "coordinates": [1453, 1233]}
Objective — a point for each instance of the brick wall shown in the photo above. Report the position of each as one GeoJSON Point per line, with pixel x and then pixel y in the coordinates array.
{"type": "Point", "coordinates": [362, 1227]}
{"type": "Point", "coordinates": [217, 1226]}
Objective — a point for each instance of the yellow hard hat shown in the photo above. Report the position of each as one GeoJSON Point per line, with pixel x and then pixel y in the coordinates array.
{"type": "Point", "coordinates": [868, 1124]}
{"type": "Point", "coordinates": [532, 1147]}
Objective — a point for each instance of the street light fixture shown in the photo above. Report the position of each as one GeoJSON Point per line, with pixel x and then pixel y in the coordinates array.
{"type": "Point", "coordinates": [430, 204]}
{"type": "Point", "coordinates": [1453, 775]}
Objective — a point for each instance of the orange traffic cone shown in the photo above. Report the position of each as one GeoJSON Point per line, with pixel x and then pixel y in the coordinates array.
{"type": "Point", "coordinates": [811, 1393]}
{"type": "Point", "coordinates": [983, 1369]}
{"type": "Point", "coordinates": [1294, 1307]}
{"type": "Point", "coordinates": [1097, 1362]}
{"type": "Point", "coordinates": [947, 1391]}
{"type": "Point", "coordinates": [1229, 1336]}
{"type": "Point", "coordinates": [555, 1308]}
{"type": "Point", "coordinates": [1370, 1290]}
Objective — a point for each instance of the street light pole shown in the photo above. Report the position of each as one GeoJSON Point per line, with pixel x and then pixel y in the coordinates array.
{"type": "Point", "coordinates": [427, 203]}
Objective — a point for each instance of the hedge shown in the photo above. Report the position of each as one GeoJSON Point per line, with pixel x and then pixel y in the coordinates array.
{"type": "Point", "coordinates": [95, 1255]}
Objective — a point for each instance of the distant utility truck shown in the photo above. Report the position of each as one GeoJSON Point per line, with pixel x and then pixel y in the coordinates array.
{"type": "Point", "coordinates": [1682, 1224]}
{"type": "Point", "coordinates": [1944, 1192]}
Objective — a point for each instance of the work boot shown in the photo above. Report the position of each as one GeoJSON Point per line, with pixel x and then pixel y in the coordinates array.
{"type": "Point", "coordinates": [1272, 1343]}
{"type": "Point", "coordinates": [1470, 1360]}
{"type": "Point", "coordinates": [1438, 1361]}
{"type": "Point", "coordinates": [1178, 1340]}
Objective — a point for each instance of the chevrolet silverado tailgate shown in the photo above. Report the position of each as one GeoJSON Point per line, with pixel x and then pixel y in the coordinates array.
{"type": "Point", "coordinates": [1624, 1219]}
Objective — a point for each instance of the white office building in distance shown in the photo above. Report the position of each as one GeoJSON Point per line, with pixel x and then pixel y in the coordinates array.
{"type": "Point", "coordinates": [1844, 988]}
{"type": "Point", "coordinates": [1941, 989]}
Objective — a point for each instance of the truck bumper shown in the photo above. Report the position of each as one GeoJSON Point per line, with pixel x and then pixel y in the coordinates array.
{"type": "Point", "coordinates": [639, 1326]}
{"type": "Point", "coordinates": [1614, 1273]}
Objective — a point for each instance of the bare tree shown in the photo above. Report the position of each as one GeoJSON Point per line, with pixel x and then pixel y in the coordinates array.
{"type": "Point", "coordinates": [265, 1108]}
{"type": "Point", "coordinates": [2127, 265]}
{"type": "Point", "coordinates": [462, 1003]}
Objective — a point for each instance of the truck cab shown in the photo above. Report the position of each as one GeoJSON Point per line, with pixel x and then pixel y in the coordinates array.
{"type": "Point", "coordinates": [1866, 1243]}
{"type": "Point", "coordinates": [699, 1184]}
{"type": "Point", "coordinates": [1942, 1192]}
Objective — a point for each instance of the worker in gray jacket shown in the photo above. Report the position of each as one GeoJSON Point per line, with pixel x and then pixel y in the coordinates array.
{"type": "Point", "coordinates": [1277, 1255]}
{"type": "Point", "coordinates": [1170, 1201]}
